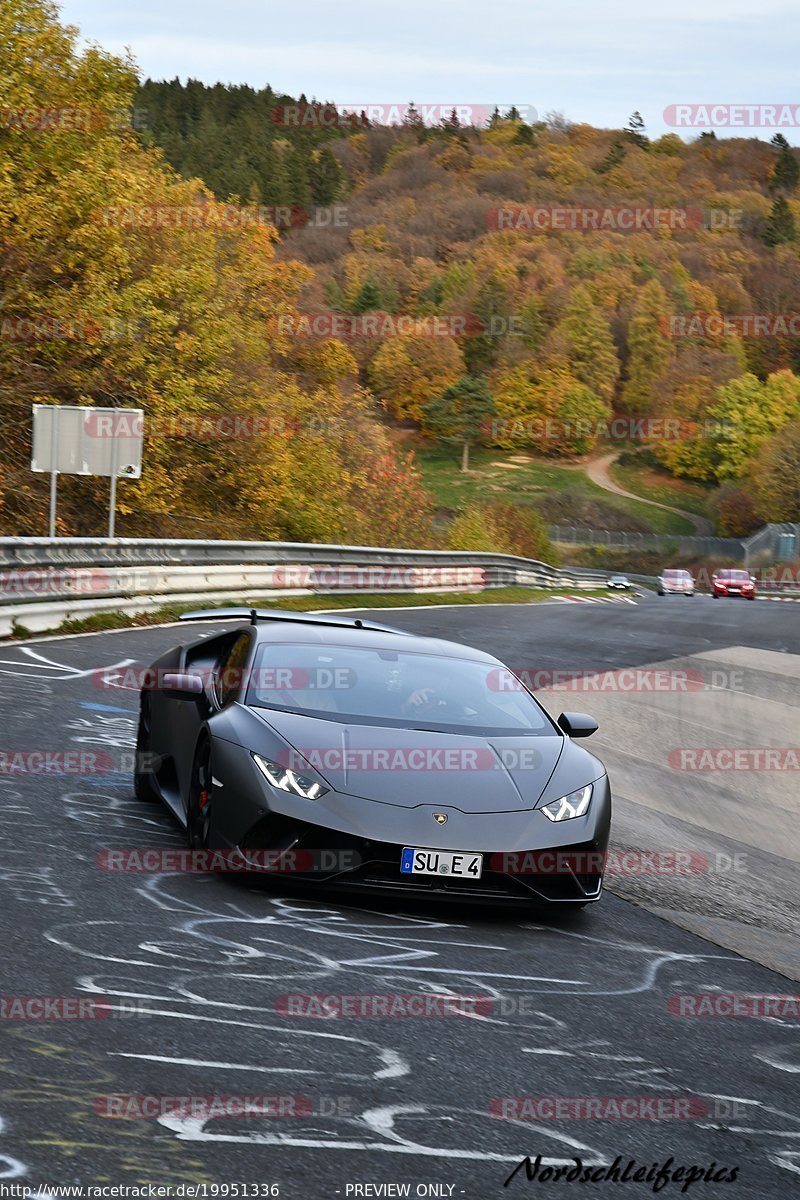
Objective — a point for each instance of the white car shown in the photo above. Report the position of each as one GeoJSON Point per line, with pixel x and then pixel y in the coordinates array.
{"type": "Point", "coordinates": [619, 582]}
{"type": "Point", "coordinates": [675, 581]}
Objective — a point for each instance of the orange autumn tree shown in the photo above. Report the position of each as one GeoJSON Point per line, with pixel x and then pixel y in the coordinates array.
{"type": "Point", "coordinates": [171, 303]}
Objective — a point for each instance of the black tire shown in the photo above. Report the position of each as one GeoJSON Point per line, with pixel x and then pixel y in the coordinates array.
{"type": "Point", "coordinates": [143, 779]}
{"type": "Point", "coordinates": [660, 592]}
{"type": "Point", "coordinates": [198, 816]}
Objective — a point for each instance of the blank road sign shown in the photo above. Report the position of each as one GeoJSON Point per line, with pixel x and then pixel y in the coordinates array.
{"type": "Point", "coordinates": [78, 440]}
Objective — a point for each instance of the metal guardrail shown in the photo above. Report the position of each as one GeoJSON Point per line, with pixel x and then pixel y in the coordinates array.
{"type": "Point", "coordinates": [47, 581]}
{"type": "Point", "coordinates": [42, 552]}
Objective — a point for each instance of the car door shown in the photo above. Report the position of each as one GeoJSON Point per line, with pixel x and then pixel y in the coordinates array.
{"type": "Point", "coordinates": [187, 717]}
{"type": "Point", "coordinates": [228, 683]}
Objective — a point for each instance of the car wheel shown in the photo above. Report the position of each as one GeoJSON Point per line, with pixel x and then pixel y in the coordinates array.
{"type": "Point", "coordinates": [660, 592]}
{"type": "Point", "coordinates": [142, 779]}
{"type": "Point", "coordinates": [198, 816]}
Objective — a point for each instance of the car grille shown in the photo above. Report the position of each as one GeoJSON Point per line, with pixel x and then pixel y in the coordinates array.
{"type": "Point", "coordinates": [378, 867]}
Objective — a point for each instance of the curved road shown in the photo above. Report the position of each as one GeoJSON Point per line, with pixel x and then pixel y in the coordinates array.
{"type": "Point", "coordinates": [598, 471]}
{"type": "Point", "coordinates": [193, 965]}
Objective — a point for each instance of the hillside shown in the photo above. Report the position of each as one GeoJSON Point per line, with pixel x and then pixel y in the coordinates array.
{"type": "Point", "coordinates": [286, 296]}
{"type": "Point", "coordinates": [599, 274]}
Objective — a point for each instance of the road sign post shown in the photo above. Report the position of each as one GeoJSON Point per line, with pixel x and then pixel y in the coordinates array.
{"type": "Point", "coordinates": [53, 473]}
{"type": "Point", "coordinates": [112, 499]}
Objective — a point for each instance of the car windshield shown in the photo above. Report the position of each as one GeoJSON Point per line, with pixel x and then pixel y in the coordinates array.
{"type": "Point", "coordinates": [390, 687]}
{"type": "Point", "coordinates": [676, 575]}
{"type": "Point", "coordinates": [735, 576]}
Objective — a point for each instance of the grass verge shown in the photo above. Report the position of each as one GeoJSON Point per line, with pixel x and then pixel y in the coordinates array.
{"type": "Point", "coordinates": [652, 484]}
{"type": "Point", "coordinates": [171, 612]}
{"type": "Point", "coordinates": [564, 495]}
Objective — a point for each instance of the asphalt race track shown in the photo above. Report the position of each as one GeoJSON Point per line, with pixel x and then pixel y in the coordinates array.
{"type": "Point", "coordinates": [193, 965]}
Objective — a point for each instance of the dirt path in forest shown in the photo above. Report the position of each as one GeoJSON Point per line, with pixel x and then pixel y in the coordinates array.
{"type": "Point", "coordinates": [598, 471]}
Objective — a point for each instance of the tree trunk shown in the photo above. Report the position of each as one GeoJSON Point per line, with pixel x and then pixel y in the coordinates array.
{"type": "Point", "coordinates": [465, 457]}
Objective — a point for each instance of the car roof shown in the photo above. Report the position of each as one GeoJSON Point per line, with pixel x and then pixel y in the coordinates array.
{"type": "Point", "coordinates": [347, 637]}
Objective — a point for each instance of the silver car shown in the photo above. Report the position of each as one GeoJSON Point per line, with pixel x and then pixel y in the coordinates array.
{"type": "Point", "coordinates": [675, 581]}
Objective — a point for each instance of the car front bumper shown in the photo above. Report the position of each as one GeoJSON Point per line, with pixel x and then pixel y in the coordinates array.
{"type": "Point", "coordinates": [355, 843]}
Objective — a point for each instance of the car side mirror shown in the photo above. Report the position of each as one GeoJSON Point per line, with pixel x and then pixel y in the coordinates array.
{"type": "Point", "coordinates": [182, 686]}
{"type": "Point", "coordinates": [577, 725]}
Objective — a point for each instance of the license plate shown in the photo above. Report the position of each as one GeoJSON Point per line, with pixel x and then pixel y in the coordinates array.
{"type": "Point", "coordinates": [441, 862]}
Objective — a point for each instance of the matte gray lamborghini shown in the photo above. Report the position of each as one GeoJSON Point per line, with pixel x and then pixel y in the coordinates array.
{"type": "Point", "coordinates": [346, 753]}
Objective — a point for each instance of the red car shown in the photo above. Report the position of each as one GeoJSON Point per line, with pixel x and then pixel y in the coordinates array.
{"type": "Point", "coordinates": [733, 583]}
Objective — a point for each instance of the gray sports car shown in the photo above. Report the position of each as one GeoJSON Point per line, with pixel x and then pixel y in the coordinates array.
{"type": "Point", "coordinates": [346, 753]}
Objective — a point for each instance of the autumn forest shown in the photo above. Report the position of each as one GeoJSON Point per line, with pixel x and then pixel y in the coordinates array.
{"type": "Point", "coordinates": [362, 296]}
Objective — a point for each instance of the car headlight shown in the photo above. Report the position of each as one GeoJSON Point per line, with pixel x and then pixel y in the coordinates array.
{"type": "Point", "coordinates": [573, 805]}
{"type": "Point", "coordinates": [289, 781]}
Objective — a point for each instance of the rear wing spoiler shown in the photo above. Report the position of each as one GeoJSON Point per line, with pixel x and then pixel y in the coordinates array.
{"type": "Point", "coordinates": [255, 615]}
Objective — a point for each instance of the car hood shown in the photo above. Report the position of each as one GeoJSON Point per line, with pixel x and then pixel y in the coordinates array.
{"type": "Point", "coordinates": [410, 767]}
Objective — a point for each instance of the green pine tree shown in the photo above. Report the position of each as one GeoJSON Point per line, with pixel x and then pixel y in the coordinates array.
{"type": "Point", "coordinates": [635, 130]}
{"type": "Point", "coordinates": [614, 157]}
{"type": "Point", "coordinates": [369, 297]}
{"type": "Point", "coordinates": [780, 226]}
{"type": "Point", "coordinates": [462, 413]}
{"type": "Point", "coordinates": [786, 172]}
{"type": "Point", "coordinates": [325, 177]}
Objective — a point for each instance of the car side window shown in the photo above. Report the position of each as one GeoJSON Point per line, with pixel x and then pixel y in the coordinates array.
{"type": "Point", "coordinates": [230, 673]}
